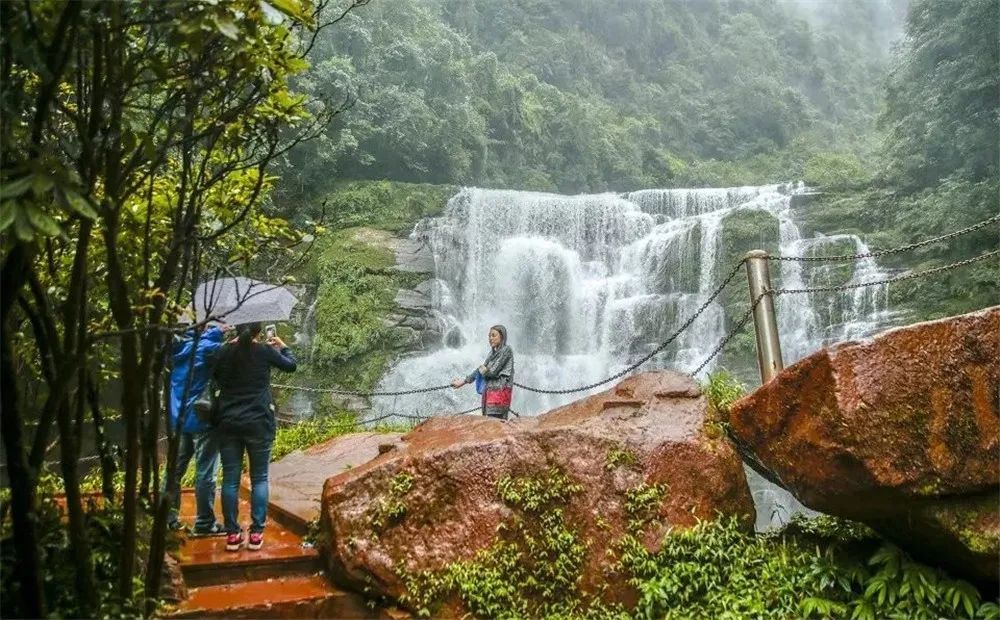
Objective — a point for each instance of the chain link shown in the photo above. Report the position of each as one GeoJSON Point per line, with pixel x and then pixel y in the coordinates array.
{"type": "Point", "coordinates": [902, 248]}
{"type": "Point", "coordinates": [906, 276]}
{"type": "Point", "coordinates": [302, 388]}
{"type": "Point", "coordinates": [658, 349]}
{"type": "Point", "coordinates": [739, 327]}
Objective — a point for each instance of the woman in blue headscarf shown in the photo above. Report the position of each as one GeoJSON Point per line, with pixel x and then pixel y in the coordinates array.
{"type": "Point", "coordinates": [498, 371]}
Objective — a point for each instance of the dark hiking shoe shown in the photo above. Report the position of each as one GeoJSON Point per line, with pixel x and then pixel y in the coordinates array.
{"type": "Point", "coordinates": [215, 530]}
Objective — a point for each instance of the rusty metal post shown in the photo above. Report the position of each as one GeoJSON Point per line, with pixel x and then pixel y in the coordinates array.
{"type": "Point", "coordinates": [765, 322]}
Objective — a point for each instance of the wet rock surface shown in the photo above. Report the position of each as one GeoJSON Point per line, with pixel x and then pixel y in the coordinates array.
{"type": "Point", "coordinates": [637, 459]}
{"type": "Point", "coordinates": [296, 480]}
{"type": "Point", "coordinates": [900, 431]}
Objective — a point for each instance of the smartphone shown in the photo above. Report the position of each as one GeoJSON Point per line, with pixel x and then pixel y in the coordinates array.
{"type": "Point", "coordinates": [271, 331]}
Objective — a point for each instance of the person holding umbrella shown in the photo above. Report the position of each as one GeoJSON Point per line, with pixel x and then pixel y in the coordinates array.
{"type": "Point", "coordinates": [189, 376]}
{"type": "Point", "coordinates": [245, 424]}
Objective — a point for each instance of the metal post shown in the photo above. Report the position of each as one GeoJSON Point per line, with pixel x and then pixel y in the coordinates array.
{"type": "Point", "coordinates": [764, 320]}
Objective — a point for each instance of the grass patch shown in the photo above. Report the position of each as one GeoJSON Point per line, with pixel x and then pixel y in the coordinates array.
{"type": "Point", "coordinates": [311, 431]}
{"type": "Point", "coordinates": [722, 389]}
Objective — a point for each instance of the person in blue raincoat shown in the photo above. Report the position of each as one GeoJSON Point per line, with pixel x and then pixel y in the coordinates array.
{"type": "Point", "coordinates": [189, 378]}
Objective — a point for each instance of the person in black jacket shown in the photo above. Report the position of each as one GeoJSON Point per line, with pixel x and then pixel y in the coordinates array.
{"type": "Point", "coordinates": [245, 423]}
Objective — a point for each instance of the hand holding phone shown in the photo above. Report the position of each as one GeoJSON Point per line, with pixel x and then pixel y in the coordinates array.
{"type": "Point", "coordinates": [271, 331]}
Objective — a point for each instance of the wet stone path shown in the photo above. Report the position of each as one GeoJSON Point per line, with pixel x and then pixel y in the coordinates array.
{"type": "Point", "coordinates": [283, 579]}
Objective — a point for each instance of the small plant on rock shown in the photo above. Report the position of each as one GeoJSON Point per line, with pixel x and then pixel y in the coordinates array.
{"type": "Point", "coordinates": [722, 389]}
{"type": "Point", "coordinates": [620, 457]}
{"type": "Point", "coordinates": [533, 568]}
{"type": "Point", "coordinates": [641, 502]}
{"type": "Point", "coordinates": [392, 508]}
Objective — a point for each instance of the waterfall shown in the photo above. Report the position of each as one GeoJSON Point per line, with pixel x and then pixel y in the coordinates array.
{"type": "Point", "coordinates": [588, 284]}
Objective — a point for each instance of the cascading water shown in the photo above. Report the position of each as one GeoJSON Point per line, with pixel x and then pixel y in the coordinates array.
{"type": "Point", "coordinates": [588, 284]}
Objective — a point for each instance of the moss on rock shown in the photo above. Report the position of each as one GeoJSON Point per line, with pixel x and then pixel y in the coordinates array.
{"type": "Point", "coordinates": [352, 268]}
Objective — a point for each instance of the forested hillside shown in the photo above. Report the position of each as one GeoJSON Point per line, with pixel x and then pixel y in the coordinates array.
{"type": "Point", "coordinates": [938, 165]}
{"type": "Point", "coordinates": [900, 132]}
{"type": "Point", "coordinates": [578, 96]}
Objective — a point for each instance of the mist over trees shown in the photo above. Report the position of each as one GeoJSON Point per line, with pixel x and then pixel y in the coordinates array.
{"type": "Point", "coordinates": [577, 96]}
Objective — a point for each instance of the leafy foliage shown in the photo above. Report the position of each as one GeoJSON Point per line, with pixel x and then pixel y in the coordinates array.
{"type": "Point", "coordinates": [533, 568]}
{"type": "Point", "coordinates": [827, 569]}
{"type": "Point", "coordinates": [641, 502]}
{"type": "Point", "coordinates": [105, 530]}
{"type": "Point", "coordinates": [136, 139]}
{"type": "Point", "coordinates": [722, 389]}
{"type": "Point", "coordinates": [620, 457]}
{"type": "Point", "coordinates": [392, 507]}
{"type": "Point", "coordinates": [938, 170]}
{"type": "Point", "coordinates": [943, 95]}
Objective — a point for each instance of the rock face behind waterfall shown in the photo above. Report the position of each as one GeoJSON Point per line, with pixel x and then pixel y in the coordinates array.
{"type": "Point", "coordinates": [900, 431]}
{"type": "Point", "coordinates": [639, 459]}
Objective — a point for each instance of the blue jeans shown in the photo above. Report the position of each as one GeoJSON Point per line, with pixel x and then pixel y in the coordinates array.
{"type": "Point", "coordinates": [204, 448]}
{"type": "Point", "coordinates": [258, 449]}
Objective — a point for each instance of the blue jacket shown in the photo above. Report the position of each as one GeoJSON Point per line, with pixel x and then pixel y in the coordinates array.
{"type": "Point", "coordinates": [208, 343]}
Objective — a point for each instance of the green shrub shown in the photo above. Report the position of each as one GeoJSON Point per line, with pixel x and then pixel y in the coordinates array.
{"type": "Point", "coordinates": [835, 171]}
{"type": "Point", "coordinates": [827, 569]}
{"type": "Point", "coordinates": [104, 526]}
{"type": "Point", "coordinates": [311, 431]}
{"type": "Point", "coordinates": [722, 389]}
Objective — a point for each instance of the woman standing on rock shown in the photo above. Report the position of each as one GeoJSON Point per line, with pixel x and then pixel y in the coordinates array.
{"type": "Point", "coordinates": [498, 371]}
{"type": "Point", "coordinates": [245, 424]}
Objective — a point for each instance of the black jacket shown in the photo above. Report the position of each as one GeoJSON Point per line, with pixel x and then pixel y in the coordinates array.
{"type": "Point", "coordinates": [243, 378]}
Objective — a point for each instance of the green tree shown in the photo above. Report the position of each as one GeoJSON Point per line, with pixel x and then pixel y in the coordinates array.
{"type": "Point", "coordinates": [942, 114]}
{"type": "Point", "coordinates": [135, 143]}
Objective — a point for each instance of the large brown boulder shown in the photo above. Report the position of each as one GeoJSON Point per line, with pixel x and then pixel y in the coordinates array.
{"type": "Point", "coordinates": [561, 490]}
{"type": "Point", "coordinates": [900, 431]}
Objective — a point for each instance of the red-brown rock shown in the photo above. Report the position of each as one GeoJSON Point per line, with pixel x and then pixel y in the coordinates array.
{"type": "Point", "coordinates": [434, 500]}
{"type": "Point", "coordinates": [296, 480]}
{"type": "Point", "coordinates": [900, 431]}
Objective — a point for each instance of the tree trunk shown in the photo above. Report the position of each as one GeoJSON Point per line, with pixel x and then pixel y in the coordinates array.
{"type": "Point", "coordinates": [108, 468]}
{"type": "Point", "coordinates": [74, 342]}
{"type": "Point", "coordinates": [22, 491]}
{"type": "Point", "coordinates": [78, 543]}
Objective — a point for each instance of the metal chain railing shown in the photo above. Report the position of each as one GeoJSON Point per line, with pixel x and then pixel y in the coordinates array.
{"type": "Point", "coordinates": [906, 276]}
{"type": "Point", "coordinates": [718, 291]}
{"type": "Point", "coordinates": [725, 340]}
{"type": "Point", "coordinates": [342, 392]}
{"type": "Point", "coordinates": [701, 309]}
{"type": "Point", "coordinates": [897, 250]}
{"type": "Point", "coordinates": [386, 416]}
{"type": "Point", "coordinates": [704, 306]}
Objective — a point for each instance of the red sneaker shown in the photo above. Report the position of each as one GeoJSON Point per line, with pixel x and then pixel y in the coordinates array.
{"type": "Point", "coordinates": [234, 542]}
{"type": "Point", "coordinates": [256, 541]}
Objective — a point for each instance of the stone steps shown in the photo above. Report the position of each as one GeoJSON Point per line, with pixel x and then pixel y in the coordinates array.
{"type": "Point", "coordinates": [297, 596]}
{"type": "Point", "coordinates": [283, 579]}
